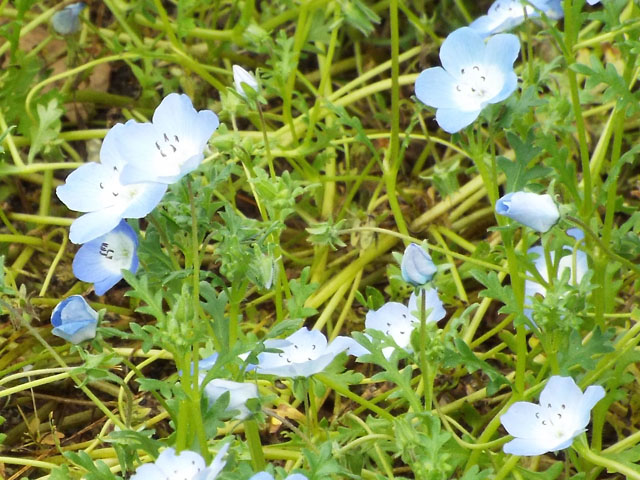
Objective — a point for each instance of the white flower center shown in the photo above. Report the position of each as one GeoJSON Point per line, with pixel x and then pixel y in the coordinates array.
{"type": "Point", "coordinates": [169, 148]}
{"type": "Point", "coordinates": [555, 420]}
{"type": "Point", "coordinates": [117, 251]}
{"type": "Point", "coordinates": [299, 353]}
{"type": "Point", "coordinates": [472, 83]}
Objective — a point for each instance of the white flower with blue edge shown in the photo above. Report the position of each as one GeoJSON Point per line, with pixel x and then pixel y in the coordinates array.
{"type": "Point", "coordinates": [416, 267]}
{"type": "Point", "coordinates": [186, 465]}
{"type": "Point", "coordinates": [303, 353]}
{"type": "Point", "coordinates": [398, 321]}
{"type": "Point", "coordinates": [67, 21]}
{"type": "Point", "coordinates": [268, 476]}
{"type": "Point", "coordinates": [563, 413]}
{"type": "Point", "coordinates": [95, 188]}
{"type": "Point", "coordinates": [473, 75]}
{"type": "Point", "coordinates": [101, 260]}
{"type": "Point", "coordinates": [74, 320]}
{"type": "Point", "coordinates": [535, 211]}
{"type": "Point", "coordinates": [239, 393]}
{"type": "Point", "coordinates": [169, 147]}
{"type": "Point", "coordinates": [504, 15]}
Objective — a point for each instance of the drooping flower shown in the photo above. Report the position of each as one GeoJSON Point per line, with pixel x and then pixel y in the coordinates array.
{"type": "Point", "coordinates": [74, 320]}
{"type": "Point", "coordinates": [95, 188]}
{"type": "Point", "coordinates": [473, 75]}
{"type": "Point", "coordinates": [240, 76]}
{"type": "Point", "coordinates": [536, 211]}
{"type": "Point", "coordinates": [67, 21]}
{"type": "Point", "coordinates": [239, 393]}
{"type": "Point", "coordinates": [504, 15]}
{"type": "Point", "coordinates": [303, 353]}
{"type": "Point", "coordinates": [532, 288]}
{"type": "Point", "coordinates": [593, 2]}
{"type": "Point", "coordinates": [101, 260]}
{"type": "Point", "coordinates": [417, 267]}
{"type": "Point", "coordinates": [398, 321]}
{"type": "Point", "coordinates": [187, 465]}
{"type": "Point", "coordinates": [169, 147]}
{"type": "Point", "coordinates": [268, 476]}
{"type": "Point", "coordinates": [563, 414]}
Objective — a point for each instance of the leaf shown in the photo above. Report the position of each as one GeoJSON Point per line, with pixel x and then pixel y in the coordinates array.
{"type": "Point", "coordinates": [301, 290]}
{"type": "Point", "coordinates": [465, 356]}
{"type": "Point", "coordinates": [47, 129]}
{"type": "Point", "coordinates": [517, 172]}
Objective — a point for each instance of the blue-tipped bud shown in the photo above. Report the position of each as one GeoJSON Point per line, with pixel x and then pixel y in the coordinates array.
{"type": "Point", "coordinates": [417, 266]}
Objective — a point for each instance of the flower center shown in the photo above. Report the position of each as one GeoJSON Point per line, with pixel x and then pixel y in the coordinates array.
{"type": "Point", "coordinates": [555, 420]}
{"type": "Point", "coordinates": [169, 148]}
{"type": "Point", "coordinates": [472, 83]}
{"type": "Point", "coordinates": [117, 251]}
{"type": "Point", "coordinates": [299, 354]}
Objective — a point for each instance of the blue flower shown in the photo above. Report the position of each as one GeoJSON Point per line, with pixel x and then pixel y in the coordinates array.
{"type": "Point", "coordinates": [399, 321]}
{"type": "Point", "coordinates": [268, 476]}
{"type": "Point", "coordinates": [96, 188]}
{"type": "Point", "coordinates": [101, 261]}
{"type": "Point", "coordinates": [531, 209]}
{"type": "Point", "coordinates": [506, 14]}
{"type": "Point", "coordinates": [473, 75]}
{"type": "Point", "coordinates": [74, 320]}
{"type": "Point", "coordinates": [170, 147]}
{"type": "Point", "coordinates": [187, 465]}
{"type": "Point", "coordinates": [66, 21]}
{"type": "Point", "coordinates": [303, 353]}
{"type": "Point", "coordinates": [563, 413]}
{"type": "Point", "coordinates": [416, 267]}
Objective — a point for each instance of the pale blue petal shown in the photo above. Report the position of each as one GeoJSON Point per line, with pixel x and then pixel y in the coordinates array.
{"type": "Point", "coordinates": [110, 155]}
{"type": "Point", "coordinates": [262, 476]}
{"type": "Point", "coordinates": [383, 318]}
{"type": "Point", "coordinates": [74, 320]}
{"type": "Point", "coordinates": [66, 21]}
{"type": "Point", "coordinates": [435, 88]}
{"type": "Point", "coordinates": [486, 25]}
{"type": "Point", "coordinates": [296, 476]}
{"type": "Point", "coordinates": [502, 50]}
{"type": "Point", "coordinates": [417, 267]}
{"type": "Point", "coordinates": [82, 190]}
{"type": "Point", "coordinates": [346, 344]}
{"type": "Point", "coordinates": [433, 304]}
{"type": "Point", "coordinates": [560, 390]}
{"type": "Point", "coordinates": [520, 420]}
{"type": "Point", "coordinates": [76, 332]}
{"type": "Point", "coordinates": [147, 198]}
{"type": "Point", "coordinates": [176, 115]}
{"type": "Point", "coordinates": [148, 471]}
{"type": "Point", "coordinates": [527, 447]}
{"type": "Point", "coordinates": [452, 120]}
{"type": "Point", "coordinates": [461, 49]}
{"type": "Point", "coordinates": [592, 395]}
{"type": "Point", "coordinates": [136, 143]}
{"type": "Point", "coordinates": [94, 224]}
{"type": "Point", "coordinates": [509, 86]}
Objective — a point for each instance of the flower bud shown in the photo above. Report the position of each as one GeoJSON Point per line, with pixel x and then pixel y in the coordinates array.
{"type": "Point", "coordinates": [417, 267]}
{"type": "Point", "coordinates": [240, 76]}
{"type": "Point", "coordinates": [74, 320]}
{"type": "Point", "coordinates": [535, 211]}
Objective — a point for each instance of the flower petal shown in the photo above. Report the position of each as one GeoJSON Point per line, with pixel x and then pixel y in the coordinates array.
{"type": "Point", "coordinates": [452, 120]}
{"type": "Point", "coordinates": [94, 224]}
{"type": "Point", "coordinates": [592, 395]}
{"type": "Point", "coordinates": [520, 420]}
{"type": "Point", "coordinates": [561, 390]}
{"type": "Point", "coordinates": [87, 188]}
{"type": "Point", "coordinates": [463, 48]}
{"type": "Point", "coordinates": [436, 88]}
{"type": "Point", "coordinates": [527, 447]}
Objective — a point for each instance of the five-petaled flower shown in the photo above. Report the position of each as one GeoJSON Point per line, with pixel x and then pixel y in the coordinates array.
{"type": "Point", "coordinates": [101, 260]}
{"type": "Point", "coordinates": [398, 321]}
{"type": "Point", "coordinates": [416, 267]}
{"type": "Point", "coordinates": [536, 211]}
{"type": "Point", "coordinates": [473, 75]}
{"type": "Point", "coordinates": [563, 414]}
{"type": "Point", "coordinates": [187, 465]}
{"type": "Point", "coordinates": [95, 188]}
{"type": "Point", "coordinates": [303, 353]}
{"type": "Point", "coordinates": [169, 147]}
{"type": "Point", "coordinates": [506, 14]}
{"type": "Point", "coordinates": [74, 320]}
